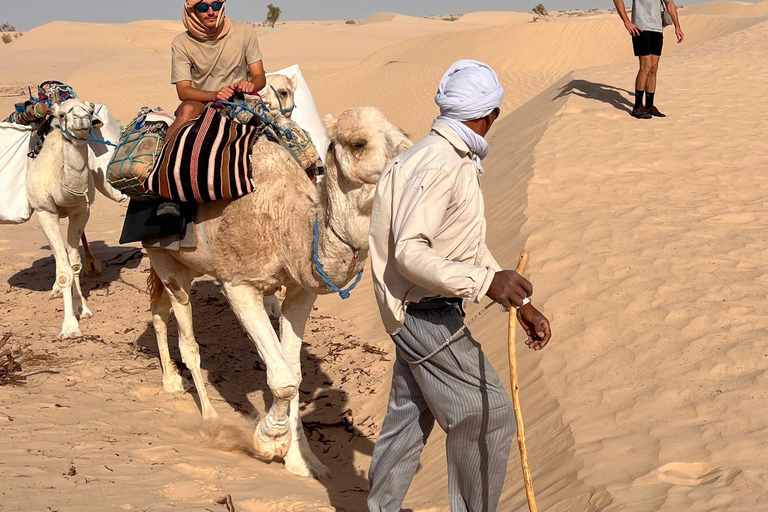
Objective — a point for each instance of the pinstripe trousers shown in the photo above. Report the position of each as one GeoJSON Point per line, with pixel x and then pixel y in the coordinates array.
{"type": "Point", "coordinates": [459, 388]}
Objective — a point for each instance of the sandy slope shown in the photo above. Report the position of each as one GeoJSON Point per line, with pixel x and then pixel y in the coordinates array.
{"type": "Point", "coordinates": [646, 238]}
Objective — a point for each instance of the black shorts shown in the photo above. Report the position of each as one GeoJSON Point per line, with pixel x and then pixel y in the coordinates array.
{"type": "Point", "coordinates": [648, 43]}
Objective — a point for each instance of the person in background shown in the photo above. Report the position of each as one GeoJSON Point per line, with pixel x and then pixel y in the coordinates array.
{"type": "Point", "coordinates": [647, 31]}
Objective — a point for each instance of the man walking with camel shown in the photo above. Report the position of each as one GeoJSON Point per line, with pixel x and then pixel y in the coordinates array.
{"type": "Point", "coordinates": [428, 255]}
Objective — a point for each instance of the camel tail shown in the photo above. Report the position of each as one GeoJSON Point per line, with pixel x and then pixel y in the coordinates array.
{"type": "Point", "coordinates": [155, 286]}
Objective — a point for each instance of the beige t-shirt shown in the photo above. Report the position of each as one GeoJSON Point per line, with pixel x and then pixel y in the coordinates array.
{"type": "Point", "coordinates": [211, 65]}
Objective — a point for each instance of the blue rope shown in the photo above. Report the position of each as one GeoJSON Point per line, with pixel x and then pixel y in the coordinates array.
{"type": "Point", "coordinates": [280, 103]}
{"type": "Point", "coordinates": [240, 107]}
{"type": "Point", "coordinates": [344, 294]}
{"type": "Point", "coordinates": [93, 138]}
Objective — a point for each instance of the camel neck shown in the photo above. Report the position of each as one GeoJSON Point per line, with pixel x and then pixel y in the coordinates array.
{"type": "Point", "coordinates": [343, 240]}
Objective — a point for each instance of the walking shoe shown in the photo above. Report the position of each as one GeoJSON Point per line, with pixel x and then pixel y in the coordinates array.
{"type": "Point", "coordinates": [655, 112]}
{"type": "Point", "coordinates": [169, 209]}
{"type": "Point", "coordinates": [640, 112]}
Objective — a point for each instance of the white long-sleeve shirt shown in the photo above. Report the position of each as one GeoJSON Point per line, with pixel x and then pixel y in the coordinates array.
{"type": "Point", "coordinates": [427, 236]}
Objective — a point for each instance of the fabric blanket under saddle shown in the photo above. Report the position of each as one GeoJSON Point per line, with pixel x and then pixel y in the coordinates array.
{"type": "Point", "coordinates": [208, 159]}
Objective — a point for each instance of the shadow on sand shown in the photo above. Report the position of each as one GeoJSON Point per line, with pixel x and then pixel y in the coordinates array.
{"type": "Point", "coordinates": [238, 374]}
{"type": "Point", "coordinates": [606, 93]}
{"type": "Point", "coordinates": [41, 276]}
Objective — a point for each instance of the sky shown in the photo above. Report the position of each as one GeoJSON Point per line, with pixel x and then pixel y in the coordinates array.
{"type": "Point", "coordinates": [27, 14]}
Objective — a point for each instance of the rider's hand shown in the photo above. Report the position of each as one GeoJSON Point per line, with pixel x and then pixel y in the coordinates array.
{"type": "Point", "coordinates": [245, 87]}
{"type": "Point", "coordinates": [633, 29]}
{"type": "Point", "coordinates": [536, 326]}
{"type": "Point", "coordinates": [225, 93]}
{"type": "Point", "coordinates": [679, 34]}
{"type": "Point", "coordinates": [509, 288]}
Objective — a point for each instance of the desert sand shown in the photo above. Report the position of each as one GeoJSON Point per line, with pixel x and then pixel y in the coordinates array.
{"type": "Point", "coordinates": [648, 249]}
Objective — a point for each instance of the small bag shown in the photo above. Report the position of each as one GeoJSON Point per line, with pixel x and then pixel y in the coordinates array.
{"type": "Point", "coordinates": [208, 159]}
{"type": "Point", "coordinates": [666, 18]}
{"type": "Point", "coordinates": [135, 155]}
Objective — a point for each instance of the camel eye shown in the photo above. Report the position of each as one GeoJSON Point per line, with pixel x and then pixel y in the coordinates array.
{"type": "Point", "coordinates": [360, 144]}
{"type": "Point", "coordinates": [284, 94]}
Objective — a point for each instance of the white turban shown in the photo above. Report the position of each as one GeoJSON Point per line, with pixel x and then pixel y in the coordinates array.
{"type": "Point", "coordinates": [469, 90]}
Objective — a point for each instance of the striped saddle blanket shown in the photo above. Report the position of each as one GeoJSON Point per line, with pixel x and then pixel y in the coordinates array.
{"type": "Point", "coordinates": [208, 159]}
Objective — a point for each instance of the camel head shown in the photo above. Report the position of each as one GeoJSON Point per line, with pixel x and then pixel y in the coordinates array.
{"type": "Point", "coordinates": [75, 117]}
{"type": "Point", "coordinates": [363, 142]}
{"type": "Point", "coordinates": [279, 94]}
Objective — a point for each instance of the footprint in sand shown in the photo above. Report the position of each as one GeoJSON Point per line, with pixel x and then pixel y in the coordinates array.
{"type": "Point", "coordinates": [692, 474]}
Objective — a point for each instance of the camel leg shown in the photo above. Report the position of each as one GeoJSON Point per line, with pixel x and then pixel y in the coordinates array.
{"type": "Point", "coordinates": [92, 265]}
{"type": "Point", "coordinates": [75, 229]}
{"type": "Point", "coordinates": [179, 284]}
{"type": "Point", "coordinates": [49, 223]}
{"type": "Point", "coordinates": [273, 434]}
{"type": "Point", "coordinates": [296, 309]}
{"type": "Point", "coordinates": [172, 379]}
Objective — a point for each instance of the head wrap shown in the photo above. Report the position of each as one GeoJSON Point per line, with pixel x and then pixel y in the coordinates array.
{"type": "Point", "coordinates": [199, 31]}
{"type": "Point", "coordinates": [469, 90]}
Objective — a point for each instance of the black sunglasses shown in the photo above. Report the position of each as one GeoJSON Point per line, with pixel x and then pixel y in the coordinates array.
{"type": "Point", "coordinates": [202, 7]}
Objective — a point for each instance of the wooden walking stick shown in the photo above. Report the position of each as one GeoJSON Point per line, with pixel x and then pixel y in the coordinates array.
{"type": "Point", "coordinates": [516, 394]}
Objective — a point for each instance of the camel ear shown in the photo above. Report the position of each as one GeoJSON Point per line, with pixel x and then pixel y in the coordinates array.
{"type": "Point", "coordinates": [56, 110]}
{"type": "Point", "coordinates": [331, 125]}
{"type": "Point", "coordinates": [293, 83]}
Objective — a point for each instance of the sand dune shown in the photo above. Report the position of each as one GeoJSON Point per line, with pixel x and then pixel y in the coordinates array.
{"type": "Point", "coordinates": [647, 245]}
{"type": "Point", "coordinates": [729, 9]}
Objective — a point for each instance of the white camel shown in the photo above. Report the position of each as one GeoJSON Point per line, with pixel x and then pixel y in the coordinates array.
{"type": "Point", "coordinates": [278, 95]}
{"type": "Point", "coordinates": [264, 240]}
{"type": "Point", "coordinates": [60, 184]}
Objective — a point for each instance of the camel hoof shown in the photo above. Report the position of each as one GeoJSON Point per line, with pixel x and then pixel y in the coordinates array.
{"type": "Point", "coordinates": [92, 268]}
{"type": "Point", "coordinates": [175, 383]}
{"type": "Point", "coordinates": [84, 313]}
{"type": "Point", "coordinates": [307, 468]}
{"type": "Point", "coordinates": [271, 442]}
{"type": "Point", "coordinates": [68, 333]}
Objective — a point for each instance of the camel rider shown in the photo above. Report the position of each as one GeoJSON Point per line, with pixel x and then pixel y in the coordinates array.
{"type": "Point", "coordinates": [428, 254]}
{"type": "Point", "coordinates": [214, 59]}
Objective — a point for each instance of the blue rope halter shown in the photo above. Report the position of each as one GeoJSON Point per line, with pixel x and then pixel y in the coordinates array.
{"type": "Point", "coordinates": [92, 138]}
{"type": "Point", "coordinates": [344, 294]}
{"type": "Point", "coordinates": [242, 107]}
{"type": "Point", "coordinates": [283, 111]}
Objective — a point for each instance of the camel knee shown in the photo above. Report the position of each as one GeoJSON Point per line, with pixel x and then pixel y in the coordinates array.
{"type": "Point", "coordinates": [286, 393]}
{"type": "Point", "coordinates": [190, 353]}
{"type": "Point", "coordinates": [77, 267]}
{"type": "Point", "coordinates": [65, 278]}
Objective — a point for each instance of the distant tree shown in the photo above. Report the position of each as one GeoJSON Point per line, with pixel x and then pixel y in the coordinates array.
{"type": "Point", "coordinates": [7, 27]}
{"type": "Point", "coordinates": [541, 13]}
{"type": "Point", "coordinates": [273, 14]}
{"type": "Point", "coordinates": [351, 22]}
{"type": "Point", "coordinates": [7, 38]}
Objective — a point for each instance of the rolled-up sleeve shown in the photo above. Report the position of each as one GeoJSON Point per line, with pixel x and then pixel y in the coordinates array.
{"type": "Point", "coordinates": [415, 222]}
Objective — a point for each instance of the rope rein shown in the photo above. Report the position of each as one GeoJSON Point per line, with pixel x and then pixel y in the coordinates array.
{"type": "Point", "coordinates": [453, 337]}
{"type": "Point", "coordinates": [344, 294]}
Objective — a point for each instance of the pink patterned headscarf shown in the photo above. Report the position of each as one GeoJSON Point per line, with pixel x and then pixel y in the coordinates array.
{"type": "Point", "coordinates": [199, 31]}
